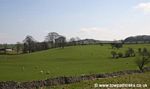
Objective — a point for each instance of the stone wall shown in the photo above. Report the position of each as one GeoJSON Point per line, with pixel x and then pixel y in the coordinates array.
{"type": "Point", "coordinates": [63, 80]}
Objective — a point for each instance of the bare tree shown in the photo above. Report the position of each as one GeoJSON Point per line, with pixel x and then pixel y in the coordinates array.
{"type": "Point", "coordinates": [72, 41]}
{"type": "Point", "coordinates": [25, 48]}
{"type": "Point", "coordinates": [29, 44]}
{"type": "Point", "coordinates": [51, 38]}
{"type": "Point", "coordinates": [77, 38]}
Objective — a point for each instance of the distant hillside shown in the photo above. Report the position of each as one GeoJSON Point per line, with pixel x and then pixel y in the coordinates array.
{"type": "Point", "coordinates": [138, 39]}
{"type": "Point", "coordinates": [92, 41]}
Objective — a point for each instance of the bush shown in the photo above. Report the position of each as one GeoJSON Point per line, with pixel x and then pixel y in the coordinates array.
{"type": "Point", "coordinates": [131, 51]}
{"type": "Point", "coordinates": [143, 58]}
{"type": "Point", "coordinates": [127, 53]}
{"type": "Point", "coordinates": [116, 45]}
{"type": "Point", "coordinates": [139, 50]}
{"type": "Point", "coordinates": [114, 54]}
{"type": "Point", "coordinates": [120, 54]}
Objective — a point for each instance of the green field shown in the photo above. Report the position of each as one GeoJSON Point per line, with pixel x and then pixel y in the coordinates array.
{"type": "Point", "coordinates": [70, 61]}
{"type": "Point", "coordinates": [127, 79]}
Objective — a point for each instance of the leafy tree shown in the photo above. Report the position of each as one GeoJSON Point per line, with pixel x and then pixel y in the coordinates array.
{"type": "Point", "coordinates": [142, 59]}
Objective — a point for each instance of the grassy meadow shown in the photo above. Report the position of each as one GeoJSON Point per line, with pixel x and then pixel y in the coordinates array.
{"type": "Point", "coordinates": [70, 61]}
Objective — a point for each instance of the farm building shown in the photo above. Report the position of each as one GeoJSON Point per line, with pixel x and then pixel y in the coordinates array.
{"type": "Point", "coordinates": [6, 50]}
{"type": "Point", "coordinates": [60, 41]}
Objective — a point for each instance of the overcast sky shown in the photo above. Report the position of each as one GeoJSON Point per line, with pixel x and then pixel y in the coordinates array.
{"type": "Point", "coordinates": [98, 19]}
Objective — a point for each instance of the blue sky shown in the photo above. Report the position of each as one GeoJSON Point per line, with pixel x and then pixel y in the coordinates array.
{"type": "Point", "coordinates": [98, 19]}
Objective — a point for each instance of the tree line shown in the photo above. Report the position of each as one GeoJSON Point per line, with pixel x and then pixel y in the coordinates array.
{"type": "Point", "coordinates": [29, 44]}
{"type": "Point", "coordinates": [52, 40]}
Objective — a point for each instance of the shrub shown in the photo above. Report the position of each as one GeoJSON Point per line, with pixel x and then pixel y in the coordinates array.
{"type": "Point", "coordinates": [114, 54]}
{"type": "Point", "coordinates": [143, 58]}
{"type": "Point", "coordinates": [139, 50]}
{"type": "Point", "coordinates": [116, 45]}
{"type": "Point", "coordinates": [120, 54]}
{"type": "Point", "coordinates": [131, 52]}
{"type": "Point", "coordinates": [127, 53]}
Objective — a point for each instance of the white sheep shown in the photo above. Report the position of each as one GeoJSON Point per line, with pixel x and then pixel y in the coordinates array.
{"type": "Point", "coordinates": [41, 71]}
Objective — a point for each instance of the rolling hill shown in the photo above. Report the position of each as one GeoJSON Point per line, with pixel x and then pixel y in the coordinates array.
{"type": "Point", "coordinates": [70, 61]}
{"type": "Point", "coordinates": [138, 39]}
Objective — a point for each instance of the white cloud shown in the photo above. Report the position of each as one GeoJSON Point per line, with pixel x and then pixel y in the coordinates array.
{"type": "Point", "coordinates": [145, 7]}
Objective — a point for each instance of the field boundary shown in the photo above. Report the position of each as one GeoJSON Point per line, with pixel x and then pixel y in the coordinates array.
{"type": "Point", "coordinates": [63, 80]}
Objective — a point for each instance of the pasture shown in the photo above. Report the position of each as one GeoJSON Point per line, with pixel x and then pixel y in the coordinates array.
{"type": "Point", "coordinates": [70, 61]}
